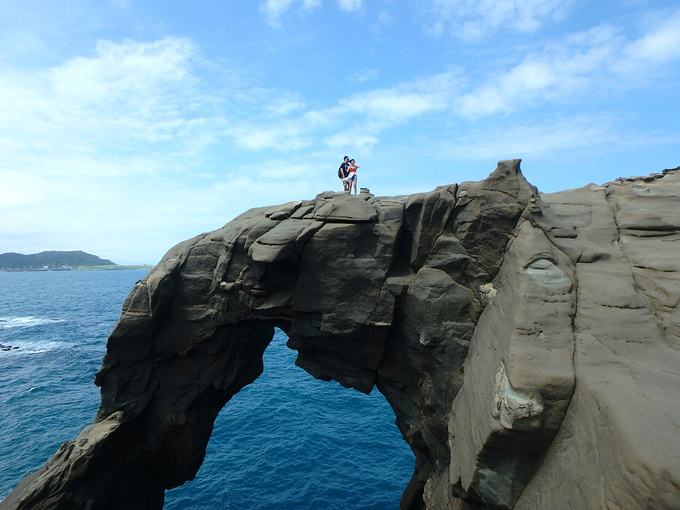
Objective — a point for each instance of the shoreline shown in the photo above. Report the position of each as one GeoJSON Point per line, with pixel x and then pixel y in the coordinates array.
{"type": "Point", "coordinates": [75, 268]}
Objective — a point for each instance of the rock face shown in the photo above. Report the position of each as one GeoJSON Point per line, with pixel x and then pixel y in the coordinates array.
{"type": "Point", "coordinates": [529, 344]}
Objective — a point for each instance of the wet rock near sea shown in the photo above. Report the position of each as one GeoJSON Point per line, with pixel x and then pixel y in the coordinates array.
{"type": "Point", "coordinates": [4, 347]}
{"type": "Point", "coordinates": [528, 343]}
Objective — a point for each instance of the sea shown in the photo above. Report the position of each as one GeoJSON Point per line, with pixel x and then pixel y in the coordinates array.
{"type": "Point", "coordinates": [287, 441]}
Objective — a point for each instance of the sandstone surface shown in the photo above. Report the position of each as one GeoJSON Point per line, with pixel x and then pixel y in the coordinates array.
{"type": "Point", "coordinates": [528, 343]}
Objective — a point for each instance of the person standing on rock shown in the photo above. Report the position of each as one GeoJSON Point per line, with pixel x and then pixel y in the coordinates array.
{"type": "Point", "coordinates": [352, 175]}
{"type": "Point", "coordinates": [343, 173]}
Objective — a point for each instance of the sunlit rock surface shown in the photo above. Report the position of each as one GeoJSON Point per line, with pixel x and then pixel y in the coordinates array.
{"type": "Point", "coordinates": [529, 344]}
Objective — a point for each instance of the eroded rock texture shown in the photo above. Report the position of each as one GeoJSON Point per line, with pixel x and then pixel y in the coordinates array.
{"type": "Point", "coordinates": [529, 344]}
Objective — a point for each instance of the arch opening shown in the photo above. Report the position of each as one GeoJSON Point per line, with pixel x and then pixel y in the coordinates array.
{"type": "Point", "coordinates": [291, 441]}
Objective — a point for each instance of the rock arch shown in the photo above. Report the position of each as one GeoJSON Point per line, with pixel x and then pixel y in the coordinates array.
{"type": "Point", "coordinates": [460, 305]}
{"type": "Point", "coordinates": [289, 440]}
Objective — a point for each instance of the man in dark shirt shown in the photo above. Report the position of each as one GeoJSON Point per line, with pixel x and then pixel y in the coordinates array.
{"type": "Point", "coordinates": [343, 173]}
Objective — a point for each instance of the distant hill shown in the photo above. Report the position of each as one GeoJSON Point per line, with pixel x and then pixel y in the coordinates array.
{"type": "Point", "coordinates": [51, 259]}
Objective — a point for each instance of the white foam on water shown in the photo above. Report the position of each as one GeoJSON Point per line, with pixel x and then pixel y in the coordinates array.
{"type": "Point", "coordinates": [26, 322]}
{"type": "Point", "coordinates": [33, 347]}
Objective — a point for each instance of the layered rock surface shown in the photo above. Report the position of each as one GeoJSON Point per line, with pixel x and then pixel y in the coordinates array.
{"type": "Point", "coordinates": [529, 344]}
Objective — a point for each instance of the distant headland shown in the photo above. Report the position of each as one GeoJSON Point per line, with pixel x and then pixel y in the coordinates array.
{"type": "Point", "coordinates": [58, 261]}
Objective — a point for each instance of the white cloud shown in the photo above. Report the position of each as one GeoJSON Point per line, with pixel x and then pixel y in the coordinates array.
{"type": "Point", "coordinates": [521, 140]}
{"type": "Point", "coordinates": [357, 119]}
{"type": "Point", "coordinates": [125, 94]}
{"type": "Point", "coordinates": [390, 104]}
{"type": "Point", "coordinates": [280, 106]}
{"type": "Point", "coordinates": [352, 141]}
{"type": "Point", "coordinates": [474, 19]}
{"type": "Point", "coordinates": [19, 189]}
{"type": "Point", "coordinates": [275, 9]}
{"type": "Point", "coordinates": [285, 136]}
{"type": "Point", "coordinates": [595, 61]}
{"type": "Point", "coordinates": [557, 72]}
{"type": "Point", "coordinates": [660, 45]}
{"type": "Point", "coordinates": [351, 5]}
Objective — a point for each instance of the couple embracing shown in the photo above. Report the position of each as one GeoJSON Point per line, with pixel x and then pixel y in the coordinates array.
{"type": "Point", "coordinates": [347, 173]}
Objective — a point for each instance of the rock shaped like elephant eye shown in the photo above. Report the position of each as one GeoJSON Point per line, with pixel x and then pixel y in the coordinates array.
{"type": "Point", "coordinates": [545, 272]}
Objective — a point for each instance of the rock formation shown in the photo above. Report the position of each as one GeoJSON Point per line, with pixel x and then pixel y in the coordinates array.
{"type": "Point", "coordinates": [529, 344]}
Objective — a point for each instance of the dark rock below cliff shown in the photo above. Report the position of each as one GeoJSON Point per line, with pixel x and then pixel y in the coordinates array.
{"type": "Point", "coordinates": [529, 344]}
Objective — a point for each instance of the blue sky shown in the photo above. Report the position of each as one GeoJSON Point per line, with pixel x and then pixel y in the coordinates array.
{"type": "Point", "coordinates": [127, 126]}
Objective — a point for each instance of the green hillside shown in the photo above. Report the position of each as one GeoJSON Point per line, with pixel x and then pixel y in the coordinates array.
{"type": "Point", "coordinates": [51, 259]}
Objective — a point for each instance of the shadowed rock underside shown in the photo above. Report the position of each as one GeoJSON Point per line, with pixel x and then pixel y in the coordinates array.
{"type": "Point", "coordinates": [528, 344]}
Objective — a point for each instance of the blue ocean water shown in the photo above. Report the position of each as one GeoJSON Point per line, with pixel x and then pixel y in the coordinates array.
{"type": "Point", "coordinates": [287, 441]}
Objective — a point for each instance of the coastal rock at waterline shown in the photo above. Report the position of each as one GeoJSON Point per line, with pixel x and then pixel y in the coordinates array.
{"type": "Point", "coordinates": [529, 344]}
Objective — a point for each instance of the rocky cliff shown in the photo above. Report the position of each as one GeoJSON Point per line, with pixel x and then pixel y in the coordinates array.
{"type": "Point", "coordinates": [529, 344]}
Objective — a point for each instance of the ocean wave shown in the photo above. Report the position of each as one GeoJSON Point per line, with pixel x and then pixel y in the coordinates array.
{"type": "Point", "coordinates": [26, 322]}
{"type": "Point", "coordinates": [23, 347]}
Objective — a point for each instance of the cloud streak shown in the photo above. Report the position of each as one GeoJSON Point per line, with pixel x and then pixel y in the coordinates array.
{"type": "Point", "coordinates": [275, 9]}
{"type": "Point", "coordinates": [593, 62]}
{"type": "Point", "coordinates": [473, 20]}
